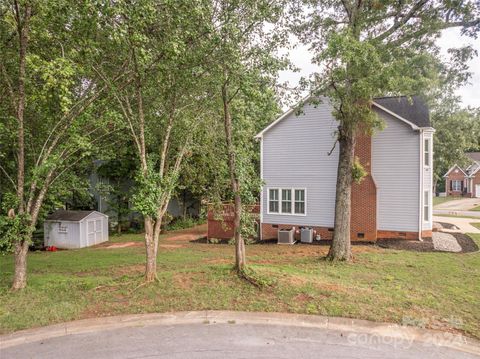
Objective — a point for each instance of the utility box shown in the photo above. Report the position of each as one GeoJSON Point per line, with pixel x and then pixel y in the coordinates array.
{"type": "Point", "coordinates": [306, 235]}
{"type": "Point", "coordinates": [286, 236]}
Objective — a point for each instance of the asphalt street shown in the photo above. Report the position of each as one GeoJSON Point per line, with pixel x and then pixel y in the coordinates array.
{"type": "Point", "coordinates": [227, 341]}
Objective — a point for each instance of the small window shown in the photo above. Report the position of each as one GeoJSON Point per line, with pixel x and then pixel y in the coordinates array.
{"type": "Point", "coordinates": [286, 201]}
{"type": "Point", "coordinates": [299, 201]}
{"type": "Point", "coordinates": [426, 153]}
{"type": "Point", "coordinates": [273, 201]}
{"type": "Point", "coordinates": [426, 206]}
{"type": "Point", "coordinates": [62, 229]}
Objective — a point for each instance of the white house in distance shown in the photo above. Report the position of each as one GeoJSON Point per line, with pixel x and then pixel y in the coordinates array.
{"type": "Point", "coordinates": [393, 201]}
{"type": "Point", "coordinates": [75, 229]}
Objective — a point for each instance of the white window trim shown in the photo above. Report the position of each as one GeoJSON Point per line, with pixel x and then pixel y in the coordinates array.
{"type": "Point", "coordinates": [279, 193]}
{"type": "Point", "coordinates": [292, 201]}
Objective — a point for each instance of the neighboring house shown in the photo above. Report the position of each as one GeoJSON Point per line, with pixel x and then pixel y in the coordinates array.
{"type": "Point", "coordinates": [464, 182]}
{"type": "Point", "coordinates": [182, 205]}
{"type": "Point", "coordinates": [393, 201]}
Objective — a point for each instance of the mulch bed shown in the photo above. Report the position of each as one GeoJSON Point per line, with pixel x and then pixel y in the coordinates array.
{"type": "Point", "coordinates": [467, 244]}
{"type": "Point", "coordinates": [407, 245]}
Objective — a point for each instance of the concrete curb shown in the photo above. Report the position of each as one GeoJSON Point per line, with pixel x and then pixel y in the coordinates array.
{"type": "Point", "coordinates": [395, 332]}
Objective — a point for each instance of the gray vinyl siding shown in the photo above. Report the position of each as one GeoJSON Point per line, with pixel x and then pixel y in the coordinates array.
{"type": "Point", "coordinates": [396, 171]}
{"type": "Point", "coordinates": [295, 155]}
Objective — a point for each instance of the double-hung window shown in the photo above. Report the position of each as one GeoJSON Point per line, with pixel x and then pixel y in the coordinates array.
{"type": "Point", "coordinates": [287, 201]}
{"type": "Point", "coordinates": [426, 152]}
{"type": "Point", "coordinates": [299, 201]}
{"type": "Point", "coordinates": [426, 206]}
{"type": "Point", "coordinates": [273, 200]}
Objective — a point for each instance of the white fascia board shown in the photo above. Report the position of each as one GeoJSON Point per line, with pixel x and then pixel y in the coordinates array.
{"type": "Point", "coordinates": [415, 127]}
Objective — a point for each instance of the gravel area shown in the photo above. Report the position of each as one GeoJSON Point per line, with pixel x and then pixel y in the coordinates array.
{"type": "Point", "coordinates": [441, 225]}
{"type": "Point", "coordinates": [445, 242]}
{"type": "Point", "coordinates": [466, 244]}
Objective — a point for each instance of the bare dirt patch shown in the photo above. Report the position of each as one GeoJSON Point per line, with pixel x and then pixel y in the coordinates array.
{"type": "Point", "coordinates": [189, 234]}
{"type": "Point", "coordinates": [171, 246]}
{"type": "Point", "coordinates": [182, 280]}
{"type": "Point", "coordinates": [123, 245]}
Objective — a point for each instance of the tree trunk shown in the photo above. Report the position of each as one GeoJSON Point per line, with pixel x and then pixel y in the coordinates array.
{"type": "Point", "coordinates": [151, 263]}
{"type": "Point", "coordinates": [234, 183]}
{"type": "Point", "coordinates": [21, 247]}
{"type": "Point", "coordinates": [20, 275]}
{"type": "Point", "coordinates": [340, 247]}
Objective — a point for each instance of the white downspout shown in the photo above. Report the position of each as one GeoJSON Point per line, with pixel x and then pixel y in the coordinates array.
{"type": "Point", "coordinates": [261, 191]}
{"type": "Point", "coordinates": [420, 202]}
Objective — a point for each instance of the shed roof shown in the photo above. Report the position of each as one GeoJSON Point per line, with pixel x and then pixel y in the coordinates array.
{"type": "Point", "coordinates": [413, 109]}
{"type": "Point", "coordinates": [63, 215]}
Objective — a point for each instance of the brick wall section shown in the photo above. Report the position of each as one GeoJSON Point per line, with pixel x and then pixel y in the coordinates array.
{"type": "Point", "coordinates": [220, 222]}
{"type": "Point", "coordinates": [403, 235]}
{"type": "Point", "coordinates": [454, 176]}
{"type": "Point", "coordinates": [364, 195]}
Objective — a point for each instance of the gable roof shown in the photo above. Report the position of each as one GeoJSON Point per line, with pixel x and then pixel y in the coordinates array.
{"type": "Point", "coordinates": [452, 168]}
{"type": "Point", "coordinates": [474, 156]}
{"type": "Point", "coordinates": [414, 112]}
{"type": "Point", "coordinates": [74, 216]}
{"type": "Point", "coordinates": [412, 109]}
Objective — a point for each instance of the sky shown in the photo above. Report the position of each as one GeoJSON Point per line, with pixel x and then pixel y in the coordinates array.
{"type": "Point", "coordinates": [470, 93]}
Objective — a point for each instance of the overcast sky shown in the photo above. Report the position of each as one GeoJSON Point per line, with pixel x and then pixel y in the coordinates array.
{"type": "Point", "coordinates": [470, 93]}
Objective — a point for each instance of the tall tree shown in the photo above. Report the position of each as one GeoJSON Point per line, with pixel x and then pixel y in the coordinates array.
{"type": "Point", "coordinates": [163, 47]}
{"type": "Point", "coordinates": [246, 56]}
{"type": "Point", "coordinates": [368, 49]}
{"type": "Point", "coordinates": [48, 116]}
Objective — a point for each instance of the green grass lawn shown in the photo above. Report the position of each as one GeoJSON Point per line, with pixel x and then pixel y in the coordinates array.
{"type": "Point", "coordinates": [439, 200]}
{"type": "Point", "coordinates": [437, 290]}
{"type": "Point", "coordinates": [477, 208]}
{"type": "Point", "coordinates": [476, 225]}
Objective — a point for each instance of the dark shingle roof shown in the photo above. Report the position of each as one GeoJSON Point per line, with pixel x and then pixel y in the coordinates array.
{"type": "Point", "coordinates": [474, 156]}
{"type": "Point", "coordinates": [62, 215]}
{"type": "Point", "coordinates": [412, 109]}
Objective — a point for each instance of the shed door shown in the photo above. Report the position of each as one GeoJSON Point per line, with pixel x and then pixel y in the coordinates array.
{"type": "Point", "coordinates": [90, 233]}
{"type": "Point", "coordinates": [98, 230]}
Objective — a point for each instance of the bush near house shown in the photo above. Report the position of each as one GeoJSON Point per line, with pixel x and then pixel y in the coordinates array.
{"type": "Point", "coordinates": [435, 290]}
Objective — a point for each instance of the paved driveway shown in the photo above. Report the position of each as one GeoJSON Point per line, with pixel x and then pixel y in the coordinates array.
{"type": "Point", "coordinates": [226, 341]}
{"type": "Point", "coordinates": [464, 225]}
{"type": "Point", "coordinates": [463, 204]}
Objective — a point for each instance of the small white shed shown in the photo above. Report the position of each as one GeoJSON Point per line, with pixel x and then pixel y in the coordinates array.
{"type": "Point", "coordinates": [75, 229]}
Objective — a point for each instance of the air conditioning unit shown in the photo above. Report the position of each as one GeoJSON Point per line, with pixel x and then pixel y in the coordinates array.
{"type": "Point", "coordinates": [286, 236]}
{"type": "Point", "coordinates": [306, 235]}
